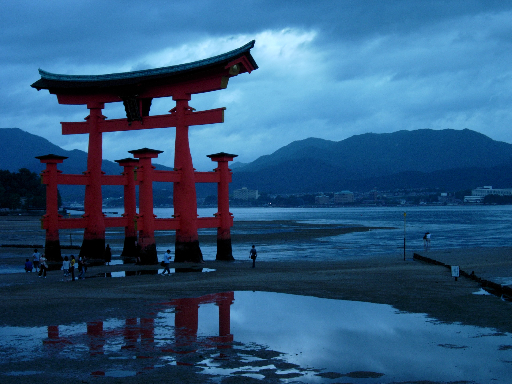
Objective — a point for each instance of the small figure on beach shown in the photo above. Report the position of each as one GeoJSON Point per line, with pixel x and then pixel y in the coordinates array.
{"type": "Point", "coordinates": [82, 267]}
{"type": "Point", "coordinates": [253, 254]}
{"type": "Point", "coordinates": [65, 267]}
{"type": "Point", "coordinates": [108, 255]}
{"type": "Point", "coordinates": [426, 241]}
{"type": "Point", "coordinates": [43, 266]}
{"type": "Point", "coordinates": [72, 267]}
{"type": "Point", "coordinates": [167, 262]}
{"type": "Point", "coordinates": [36, 256]}
{"type": "Point", "coordinates": [138, 249]}
{"type": "Point", "coordinates": [28, 265]}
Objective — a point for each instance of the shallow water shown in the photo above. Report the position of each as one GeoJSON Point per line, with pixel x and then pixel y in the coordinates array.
{"type": "Point", "coordinates": [451, 227]}
{"type": "Point", "coordinates": [266, 336]}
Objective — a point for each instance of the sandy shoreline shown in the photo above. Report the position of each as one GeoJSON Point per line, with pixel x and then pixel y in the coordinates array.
{"type": "Point", "coordinates": [409, 286]}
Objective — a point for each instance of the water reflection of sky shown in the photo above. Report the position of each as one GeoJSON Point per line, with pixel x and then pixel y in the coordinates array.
{"type": "Point", "coordinates": [267, 334]}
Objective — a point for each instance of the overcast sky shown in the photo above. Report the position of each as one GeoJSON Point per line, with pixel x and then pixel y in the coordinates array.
{"type": "Point", "coordinates": [327, 69]}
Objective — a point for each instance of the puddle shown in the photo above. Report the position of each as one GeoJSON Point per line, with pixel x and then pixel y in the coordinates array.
{"type": "Point", "coordinates": [482, 292]}
{"type": "Point", "coordinates": [264, 336]}
{"type": "Point", "coordinates": [150, 272]}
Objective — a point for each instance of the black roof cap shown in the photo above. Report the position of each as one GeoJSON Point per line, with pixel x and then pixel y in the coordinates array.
{"type": "Point", "coordinates": [58, 81]}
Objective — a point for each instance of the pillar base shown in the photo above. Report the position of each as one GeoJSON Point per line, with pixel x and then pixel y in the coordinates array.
{"type": "Point", "coordinates": [188, 252]}
{"type": "Point", "coordinates": [224, 250]}
{"type": "Point", "coordinates": [52, 250]}
{"type": "Point", "coordinates": [130, 248]}
{"type": "Point", "coordinates": [148, 255]}
{"type": "Point", "coordinates": [93, 248]}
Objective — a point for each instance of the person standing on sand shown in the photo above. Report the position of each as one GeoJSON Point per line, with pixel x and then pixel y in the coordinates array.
{"type": "Point", "coordinates": [82, 267]}
{"type": "Point", "coordinates": [36, 256]}
{"type": "Point", "coordinates": [253, 254]}
{"type": "Point", "coordinates": [428, 240]}
{"type": "Point", "coordinates": [167, 262]}
{"type": "Point", "coordinates": [65, 267]}
{"type": "Point", "coordinates": [72, 267]}
{"type": "Point", "coordinates": [43, 267]}
{"type": "Point", "coordinates": [108, 255]}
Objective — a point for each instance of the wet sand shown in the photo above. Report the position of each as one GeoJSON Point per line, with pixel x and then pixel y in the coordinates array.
{"type": "Point", "coordinates": [409, 286]}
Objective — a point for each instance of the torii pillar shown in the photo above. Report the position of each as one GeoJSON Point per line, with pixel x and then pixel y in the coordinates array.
{"type": "Point", "coordinates": [184, 192]}
{"type": "Point", "coordinates": [93, 244]}
{"type": "Point", "coordinates": [130, 207]}
{"type": "Point", "coordinates": [224, 249]}
{"type": "Point", "coordinates": [145, 176]}
{"type": "Point", "coordinates": [51, 218]}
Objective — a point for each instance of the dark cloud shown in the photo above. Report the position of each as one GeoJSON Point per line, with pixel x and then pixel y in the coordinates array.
{"type": "Point", "coordinates": [327, 69]}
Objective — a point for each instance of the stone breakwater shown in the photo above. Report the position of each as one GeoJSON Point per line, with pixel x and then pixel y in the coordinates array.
{"type": "Point", "coordinates": [503, 291]}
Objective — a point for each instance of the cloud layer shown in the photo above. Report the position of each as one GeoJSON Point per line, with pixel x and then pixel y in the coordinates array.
{"type": "Point", "coordinates": [327, 69]}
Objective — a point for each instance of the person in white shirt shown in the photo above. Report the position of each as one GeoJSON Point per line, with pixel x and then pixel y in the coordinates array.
{"type": "Point", "coordinates": [36, 256]}
{"type": "Point", "coordinates": [65, 267]}
{"type": "Point", "coordinates": [167, 262]}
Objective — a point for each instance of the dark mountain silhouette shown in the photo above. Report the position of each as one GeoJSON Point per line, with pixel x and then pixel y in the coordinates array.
{"type": "Point", "coordinates": [447, 159]}
{"type": "Point", "coordinates": [425, 158]}
{"type": "Point", "coordinates": [18, 149]}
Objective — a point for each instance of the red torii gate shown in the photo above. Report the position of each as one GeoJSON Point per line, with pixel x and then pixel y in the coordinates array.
{"type": "Point", "coordinates": [136, 90]}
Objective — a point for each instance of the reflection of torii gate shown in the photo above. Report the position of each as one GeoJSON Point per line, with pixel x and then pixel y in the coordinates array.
{"type": "Point", "coordinates": [186, 322]}
{"type": "Point", "coordinates": [136, 90]}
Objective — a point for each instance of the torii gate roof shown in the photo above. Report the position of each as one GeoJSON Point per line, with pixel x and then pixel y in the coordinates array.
{"type": "Point", "coordinates": [57, 83]}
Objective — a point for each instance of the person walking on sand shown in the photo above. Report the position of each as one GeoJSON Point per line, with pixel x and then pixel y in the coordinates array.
{"type": "Point", "coordinates": [253, 254]}
{"type": "Point", "coordinates": [65, 268]}
{"type": "Point", "coordinates": [43, 266]}
{"type": "Point", "coordinates": [36, 256]}
{"type": "Point", "coordinates": [167, 262]}
{"type": "Point", "coordinates": [108, 255]}
{"type": "Point", "coordinates": [72, 267]}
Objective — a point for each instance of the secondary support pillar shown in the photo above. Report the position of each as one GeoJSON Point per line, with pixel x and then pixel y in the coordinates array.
{"type": "Point", "coordinates": [93, 245]}
{"type": "Point", "coordinates": [51, 218]}
{"type": "Point", "coordinates": [145, 177]}
{"type": "Point", "coordinates": [184, 191]}
{"type": "Point", "coordinates": [130, 207]}
{"type": "Point", "coordinates": [224, 249]}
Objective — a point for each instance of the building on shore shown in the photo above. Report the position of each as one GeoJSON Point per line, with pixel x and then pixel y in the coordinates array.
{"type": "Point", "coordinates": [343, 197]}
{"type": "Point", "coordinates": [322, 200]}
{"type": "Point", "coordinates": [478, 194]}
{"type": "Point", "coordinates": [245, 194]}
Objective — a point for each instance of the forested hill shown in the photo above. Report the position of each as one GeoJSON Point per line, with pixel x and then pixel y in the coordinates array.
{"type": "Point", "coordinates": [21, 190]}
{"type": "Point", "coordinates": [425, 158]}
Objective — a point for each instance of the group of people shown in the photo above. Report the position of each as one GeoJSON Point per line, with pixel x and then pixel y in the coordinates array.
{"type": "Point", "coordinates": [68, 267]}
{"type": "Point", "coordinates": [40, 264]}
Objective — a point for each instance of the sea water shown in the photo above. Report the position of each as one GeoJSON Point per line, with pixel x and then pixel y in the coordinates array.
{"type": "Point", "coordinates": [450, 227]}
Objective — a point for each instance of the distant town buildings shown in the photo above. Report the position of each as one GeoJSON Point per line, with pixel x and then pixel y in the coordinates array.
{"type": "Point", "coordinates": [322, 200]}
{"type": "Point", "coordinates": [478, 194]}
{"type": "Point", "coordinates": [343, 197]}
{"type": "Point", "coordinates": [245, 194]}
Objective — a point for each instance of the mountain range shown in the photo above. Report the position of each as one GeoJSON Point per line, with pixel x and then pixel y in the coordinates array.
{"type": "Point", "coordinates": [447, 159]}
{"type": "Point", "coordinates": [450, 160]}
